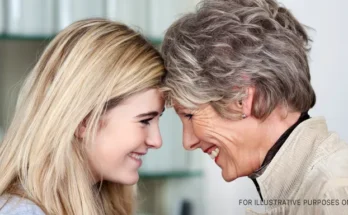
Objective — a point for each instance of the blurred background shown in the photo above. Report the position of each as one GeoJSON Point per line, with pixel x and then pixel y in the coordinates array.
{"type": "Point", "coordinates": [174, 182]}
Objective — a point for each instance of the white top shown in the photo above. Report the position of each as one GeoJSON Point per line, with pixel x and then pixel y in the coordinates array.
{"type": "Point", "coordinates": [18, 206]}
{"type": "Point", "coordinates": [308, 175]}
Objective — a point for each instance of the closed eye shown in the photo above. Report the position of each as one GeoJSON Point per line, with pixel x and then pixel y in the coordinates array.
{"type": "Point", "coordinates": [146, 121]}
{"type": "Point", "coordinates": [189, 116]}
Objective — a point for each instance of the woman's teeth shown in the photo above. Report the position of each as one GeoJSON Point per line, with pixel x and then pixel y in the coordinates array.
{"type": "Point", "coordinates": [135, 156]}
{"type": "Point", "coordinates": [214, 153]}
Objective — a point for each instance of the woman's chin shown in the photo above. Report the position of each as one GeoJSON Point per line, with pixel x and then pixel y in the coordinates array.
{"type": "Point", "coordinates": [228, 176]}
{"type": "Point", "coordinates": [130, 179]}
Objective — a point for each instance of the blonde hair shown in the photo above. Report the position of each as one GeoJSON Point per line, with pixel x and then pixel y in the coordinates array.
{"type": "Point", "coordinates": [88, 68]}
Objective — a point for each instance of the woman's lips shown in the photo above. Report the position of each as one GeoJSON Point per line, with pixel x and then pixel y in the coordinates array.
{"type": "Point", "coordinates": [216, 158]}
{"type": "Point", "coordinates": [137, 156]}
{"type": "Point", "coordinates": [213, 152]}
{"type": "Point", "coordinates": [210, 149]}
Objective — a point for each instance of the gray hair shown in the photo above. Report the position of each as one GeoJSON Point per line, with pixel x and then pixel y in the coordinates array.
{"type": "Point", "coordinates": [213, 55]}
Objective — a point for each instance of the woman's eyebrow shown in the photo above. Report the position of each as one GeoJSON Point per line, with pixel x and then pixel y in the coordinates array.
{"type": "Point", "coordinates": [148, 114]}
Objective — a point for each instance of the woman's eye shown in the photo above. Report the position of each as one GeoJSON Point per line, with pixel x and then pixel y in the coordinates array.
{"type": "Point", "coordinates": [189, 116]}
{"type": "Point", "coordinates": [146, 121]}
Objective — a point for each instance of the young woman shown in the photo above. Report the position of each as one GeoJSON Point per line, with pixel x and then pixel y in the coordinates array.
{"type": "Point", "coordinates": [86, 114]}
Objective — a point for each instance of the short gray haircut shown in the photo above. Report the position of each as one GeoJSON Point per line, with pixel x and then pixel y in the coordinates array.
{"type": "Point", "coordinates": [213, 55]}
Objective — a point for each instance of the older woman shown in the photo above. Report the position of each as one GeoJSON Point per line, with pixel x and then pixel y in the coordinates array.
{"type": "Point", "coordinates": [238, 77]}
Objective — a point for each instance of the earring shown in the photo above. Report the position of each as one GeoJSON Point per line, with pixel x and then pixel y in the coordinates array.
{"type": "Point", "coordinates": [244, 116]}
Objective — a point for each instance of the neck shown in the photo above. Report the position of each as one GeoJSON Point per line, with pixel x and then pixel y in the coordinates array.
{"type": "Point", "coordinates": [273, 127]}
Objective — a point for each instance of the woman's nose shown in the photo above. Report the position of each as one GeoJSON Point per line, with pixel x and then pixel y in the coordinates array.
{"type": "Point", "coordinates": [190, 140]}
{"type": "Point", "coordinates": [154, 139]}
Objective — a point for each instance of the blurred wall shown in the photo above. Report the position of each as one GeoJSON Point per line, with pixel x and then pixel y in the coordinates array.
{"type": "Point", "coordinates": [16, 59]}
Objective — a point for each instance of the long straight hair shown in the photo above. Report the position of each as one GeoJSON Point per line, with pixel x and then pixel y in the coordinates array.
{"type": "Point", "coordinates": [85, 66]}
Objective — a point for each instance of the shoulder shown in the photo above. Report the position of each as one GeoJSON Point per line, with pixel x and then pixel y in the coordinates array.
{"type": "Point", "coordinates": [325, 149]}
{"type": "Point", "coordinates": [330, 169]}
{"type": "Point", "coordinates": [332, 157]}
{"type": "Point", "coordinates": [13, 205]}
{"type": "Point", "coordinates": [325, 160]}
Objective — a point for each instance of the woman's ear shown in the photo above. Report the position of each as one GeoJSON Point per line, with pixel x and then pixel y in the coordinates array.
{"type": "Point", "coordinates": [247, 102]}
{"type": "Point", "coordinates": [80, 131]}
{"type": "Point", "coordinates": [82, 128]}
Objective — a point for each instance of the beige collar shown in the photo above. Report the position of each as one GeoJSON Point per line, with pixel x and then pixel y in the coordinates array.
{"type": "Point", "coordinates": [291, 163]}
